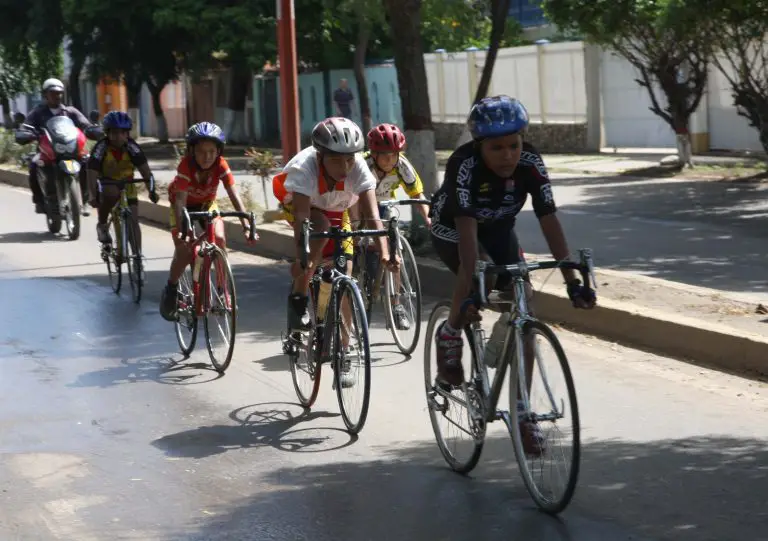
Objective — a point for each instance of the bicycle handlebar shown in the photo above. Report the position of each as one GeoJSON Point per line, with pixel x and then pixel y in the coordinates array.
{"type": "Point", "coordinates": [106, 181]}
{"type": "Point", "coordinates": [585, 266]}
{"type": "Point", "coordinates": [209, 215]}
{"type": "Point", "coordinates": [336, 234]}
{"type": "Point", "coordinates": [402, 202]}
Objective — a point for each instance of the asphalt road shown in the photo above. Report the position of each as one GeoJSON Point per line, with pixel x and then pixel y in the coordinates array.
{"type": "Point", "coordinates": [105, 433]}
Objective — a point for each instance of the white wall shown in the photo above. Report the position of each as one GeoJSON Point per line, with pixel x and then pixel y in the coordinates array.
{"type": "Point", "coordinates": [627, 119]}
{"type": "Point", "coordinates": [727, 130]}
{"type": "Point", "coordinates": [550, 80]}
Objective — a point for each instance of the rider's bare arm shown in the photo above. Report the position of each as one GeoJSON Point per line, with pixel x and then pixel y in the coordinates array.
{"type": "Point", "coordinates": [553, 233]}
{"type": "Point", "coordinates": [237, 202]}
{"type": "Point", "coordinates": [468, 250]}
{"type": "Point", "coordinates": [540, 188]}
{"type": "Point", "coordinates": [370, 211]}
{"type": "Point", "coordinates": [301, 211]}
{"type": "Point", "coordinates": [179, 205]}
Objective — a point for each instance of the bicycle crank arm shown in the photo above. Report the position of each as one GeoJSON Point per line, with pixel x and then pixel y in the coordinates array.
{"type": "Point", "coordinates": [434, 405]}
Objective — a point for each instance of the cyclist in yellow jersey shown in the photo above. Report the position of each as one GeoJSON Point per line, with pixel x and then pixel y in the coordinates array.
{"type": "Point", "coordinates": [115, 157]}
{"type": "Point", "coordinates": [393, 170]}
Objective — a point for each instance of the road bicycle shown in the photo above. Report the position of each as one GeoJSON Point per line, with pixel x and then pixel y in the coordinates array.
{"type": "Point", "coordinates": [125, 248]}
{"type": "Point", "coordinates": [475, 401]}
{"type": "Point", "coordinates": [207, 288]}
{"type": "Point", "coordinates": [338, 328]}
{"type": "Point", "coordinates": [403, 288]}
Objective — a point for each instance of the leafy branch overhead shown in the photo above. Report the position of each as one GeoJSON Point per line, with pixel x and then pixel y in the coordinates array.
{"type": "Point", "coordinates": [742, 56]}
{"type": "Point", "coordinates": [663, 39]}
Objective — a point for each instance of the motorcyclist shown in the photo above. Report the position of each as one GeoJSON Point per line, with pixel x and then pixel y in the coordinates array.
{"type": "Point", "coordinates": [53, 92]}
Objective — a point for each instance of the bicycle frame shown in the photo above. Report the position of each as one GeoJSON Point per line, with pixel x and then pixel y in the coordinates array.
{"type": "Point", "coordinates": [518, 306]}
{"type": "Point", "coordinates": [122, 210]}
{"type": "Point", "coordinates": [338, 271]}
{"type": "Point", "coordinates": [205, 244]}
{"type": "Point", "coordinates": [388, 206]}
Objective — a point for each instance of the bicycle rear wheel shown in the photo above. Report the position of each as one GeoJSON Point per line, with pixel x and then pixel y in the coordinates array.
{"type": "Point", "coordinates": [186, 321]}
{"type": "Point", "coordinates": [221, 303]}
{"type": "Point", "coordinates": [408, 293]}
{"type": "Point", "coordinates": [449, 406]}
{"type": "Point", "coordinates": [351, 355]}
{"type": "Point", "coordinates": [556, 420]}
{"type": "Point", "coordinates": [133, 260]}
{"type": "Point", "coordinates": [303, 350]}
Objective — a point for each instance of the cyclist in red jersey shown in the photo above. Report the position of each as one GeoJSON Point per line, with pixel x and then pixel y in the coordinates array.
{"type": "Point", "coordinates": [195, 188]}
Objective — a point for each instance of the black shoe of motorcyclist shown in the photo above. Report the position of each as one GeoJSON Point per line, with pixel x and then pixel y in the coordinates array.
{"type": "Point", "coordinates": [39, 208]}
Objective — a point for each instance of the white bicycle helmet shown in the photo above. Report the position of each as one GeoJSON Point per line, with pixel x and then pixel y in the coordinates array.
{"type": "Point", "coordinates": [338, 135]}
{"type": "Point", "coordinates": [53, 84]}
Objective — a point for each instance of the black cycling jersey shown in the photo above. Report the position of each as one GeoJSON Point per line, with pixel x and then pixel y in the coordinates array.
{"type": "Point", "coordinates": [471, 189]}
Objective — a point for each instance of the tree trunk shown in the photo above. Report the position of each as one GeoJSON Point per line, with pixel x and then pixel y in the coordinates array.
{"type": "Point", "coordinates": [157, 106]}
{"type": "Point", "coordinates": [74, 82]}
{"type": "Point", "coordinates": [239, 81]}
{"type": "Point", "coordinates": [363, 34]}
{"type": "Point", "coordinates": [499, 13]}
{"type": "Point", "coordinates": [7, 117]}
{"type": "Point", "coordinates": [405, 25]}
{"type": "Point", "coordinates": [133, 91]}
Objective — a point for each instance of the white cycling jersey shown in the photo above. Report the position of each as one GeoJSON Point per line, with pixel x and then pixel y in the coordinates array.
{"type": "Point", "coordinates": [304, 176]}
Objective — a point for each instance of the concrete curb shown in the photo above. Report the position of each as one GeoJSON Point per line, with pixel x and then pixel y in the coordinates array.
{"type": "Point", "coordinates": [695, 341]}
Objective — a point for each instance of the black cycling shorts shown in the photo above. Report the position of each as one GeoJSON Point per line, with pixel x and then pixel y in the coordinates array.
{"type": "Point", "coordinates": [501, 246]}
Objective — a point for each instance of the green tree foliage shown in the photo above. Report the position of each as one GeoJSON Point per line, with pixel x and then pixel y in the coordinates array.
{"type": "Point", "coordinates": [30, 47]}
{"type": "Point", "coordinates": [664, 40]}
{"type": "Point", "coordinates": [739, 34]}
{"type": "Point", "coordinates": [455, 25]}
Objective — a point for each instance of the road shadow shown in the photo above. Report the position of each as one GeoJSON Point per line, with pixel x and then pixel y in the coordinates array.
{"type": "Point", "coordinates": [272, 424]}
{"type": "Point", "coordinates": [31, 237]}
{"type": "Point", "coordinates": [143, 344]}
{"type": "Point", "coordinates": [701, 233]}
{"type": "Point", "coordinates": [168, 370]}
{"type": "Point", "coordinates": [702, 489]}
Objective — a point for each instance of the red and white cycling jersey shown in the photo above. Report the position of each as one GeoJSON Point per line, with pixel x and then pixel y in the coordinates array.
{"type": "Point", "coordinates": [304, 175]}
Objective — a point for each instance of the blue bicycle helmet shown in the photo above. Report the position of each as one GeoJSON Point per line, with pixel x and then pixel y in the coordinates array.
{"type": "Point", "coordinates": [497, 116]}
{"type": "Point", "coordinates": [117, 120]}
{"type": "Point", "coordinates": [206, 131]}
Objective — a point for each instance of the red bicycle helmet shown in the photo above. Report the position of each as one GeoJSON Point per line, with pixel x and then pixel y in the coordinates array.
{"type": "Point", "coordinates": [386, 138]}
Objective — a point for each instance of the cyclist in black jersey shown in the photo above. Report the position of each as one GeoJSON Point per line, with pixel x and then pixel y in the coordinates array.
{"type": "Point", "coordinates": [487, 182]}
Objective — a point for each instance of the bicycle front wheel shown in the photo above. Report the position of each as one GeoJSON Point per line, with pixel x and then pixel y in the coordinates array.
{"type": "Point", "coordinates": [351, 356]}
{"type": "Point", "coordinates": [186, 322]}
{"type": "Point", "coordinates": [303, 352]}
{"type": "Point", "coordinates": [133, 259]}
{"type": "Point", "coordinates": [114, 270]}
{"type": "Point", "coordinates": [406, 294]}
{"type": "Point", "coordinates": [546, 437]}
{"type": "Point", "coordinates": [220, 309]}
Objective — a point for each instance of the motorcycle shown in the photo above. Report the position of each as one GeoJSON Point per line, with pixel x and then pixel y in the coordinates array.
{"type": "Point", "coordinates": [61, 150]}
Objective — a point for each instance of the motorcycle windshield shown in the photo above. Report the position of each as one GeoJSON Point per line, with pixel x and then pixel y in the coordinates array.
{"type": "Point", "coordinates": [62, 129]}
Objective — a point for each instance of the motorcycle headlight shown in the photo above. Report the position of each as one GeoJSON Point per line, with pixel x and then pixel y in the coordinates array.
{"type": "Point", "coordinates": [65, 148]}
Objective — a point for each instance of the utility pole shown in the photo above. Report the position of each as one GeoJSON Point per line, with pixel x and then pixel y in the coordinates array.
{"type": "Point", "coordinates": [289, 79]}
